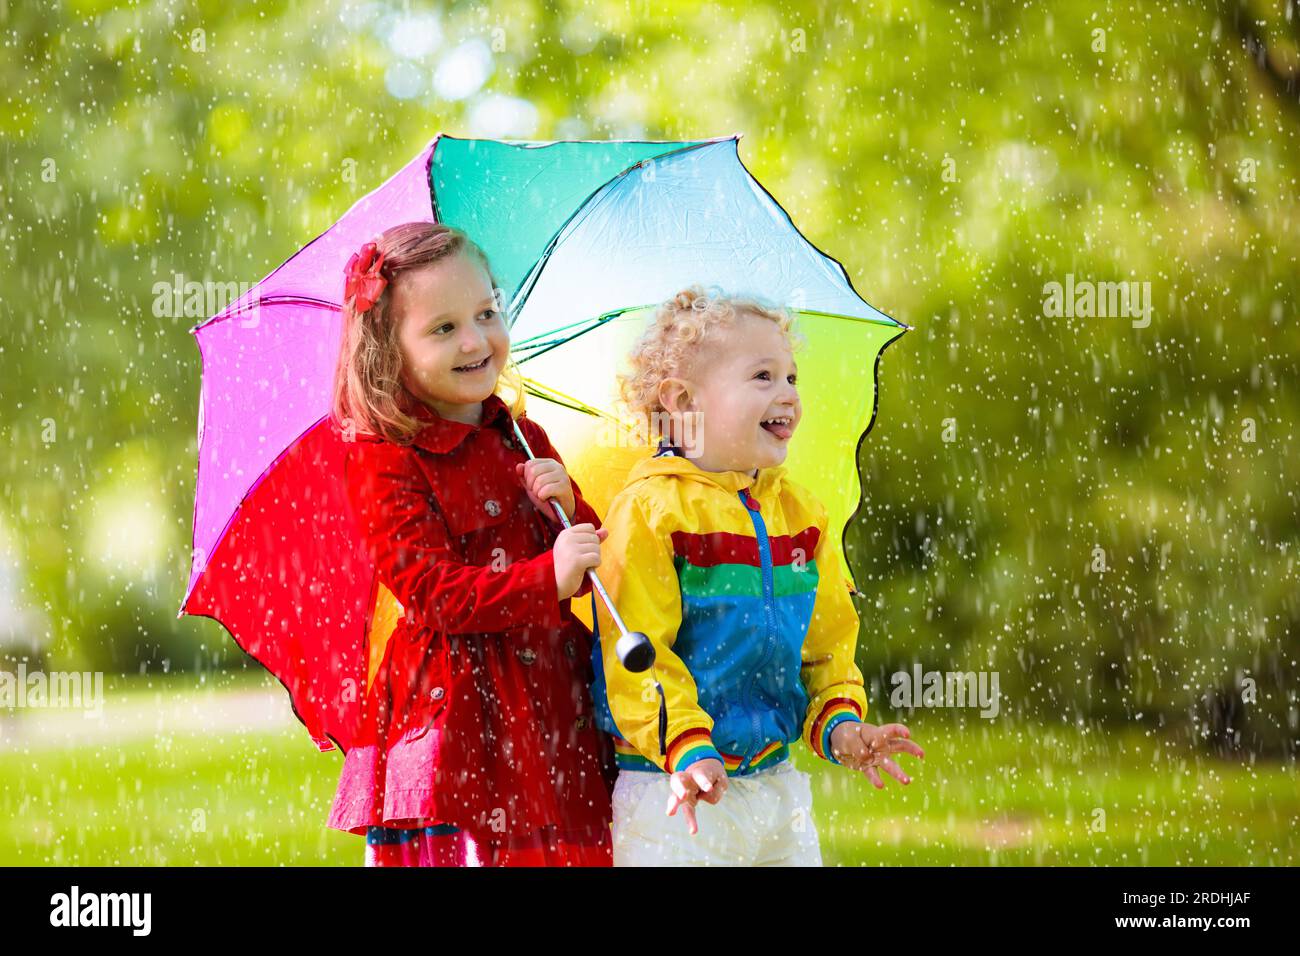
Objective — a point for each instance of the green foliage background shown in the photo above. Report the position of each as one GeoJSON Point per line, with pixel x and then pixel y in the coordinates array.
{"type": "Point", "coordinates": [1169, 155]}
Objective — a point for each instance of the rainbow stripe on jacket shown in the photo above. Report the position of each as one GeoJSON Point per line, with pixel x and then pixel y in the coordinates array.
{"type": "Point", "coordinates": [735, 583]}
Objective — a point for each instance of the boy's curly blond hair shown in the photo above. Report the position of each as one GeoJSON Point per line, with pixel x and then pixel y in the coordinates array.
{"type": "Point", "coordinates": [672, 346]}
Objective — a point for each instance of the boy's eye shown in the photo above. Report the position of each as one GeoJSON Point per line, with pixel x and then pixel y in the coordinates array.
{"type": "Point", "coordinates": [490, 313]}
{"type": "Point", "coordinates": [791, 378]}
{"type": "Point", "coordinates": [765, 376]}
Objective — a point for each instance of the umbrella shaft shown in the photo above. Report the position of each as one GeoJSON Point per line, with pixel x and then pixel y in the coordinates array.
{"type": "Point", "coordinates": [564, 520]}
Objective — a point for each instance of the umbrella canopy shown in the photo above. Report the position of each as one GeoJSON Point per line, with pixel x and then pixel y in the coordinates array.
{"type": "Point", "coordinates": [585, 239]}
{"type": "Point", "coordinates": [691, 214]}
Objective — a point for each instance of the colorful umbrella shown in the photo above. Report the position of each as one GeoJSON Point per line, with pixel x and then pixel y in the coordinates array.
{"type": "Point", "coordinates": [586, 238]}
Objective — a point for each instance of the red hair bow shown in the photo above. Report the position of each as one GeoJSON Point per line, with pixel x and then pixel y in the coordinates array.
{"type": "Point", "coordinates": [364, 283]}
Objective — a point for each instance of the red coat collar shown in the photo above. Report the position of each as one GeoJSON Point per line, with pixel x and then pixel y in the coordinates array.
{"type": "Point", "coordinates": [442, 435]}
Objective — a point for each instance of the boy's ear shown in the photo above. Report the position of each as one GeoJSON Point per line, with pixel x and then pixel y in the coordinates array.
{"type": "Point", "coordinates": [675, 395]}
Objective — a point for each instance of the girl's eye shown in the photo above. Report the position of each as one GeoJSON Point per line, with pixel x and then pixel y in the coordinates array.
{"type": "Point", "coordinates": [445, 327]}
{"type": "Point", "coordinates": [791, 378]}
{"type": "Point", "coordinates": [765, 376]}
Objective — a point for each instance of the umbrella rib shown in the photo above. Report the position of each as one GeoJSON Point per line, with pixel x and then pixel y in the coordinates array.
{"type": "Point", "coordinates": [576, 404]}
{"type": "Point", "coordinates": [799, 232]}
{"type": "Point", "coordinates": [428, 177]}
{"type": "Point", "coordinates": [561, 398]}
{"type": "Point", "coordinates": [537, 341]}
{"type": "Point", "coordinates": [525, 290]}
{"type": "Point", "coordinates": [542, 144]}
{"type": "Point", "coordinates": [537, 344]}
{"type": "Point", "coordinates": [272, 300]}
{"type": "Point", "coordinates": [887, 322]}
{"type": "Point", "coordinates": [543, 347]}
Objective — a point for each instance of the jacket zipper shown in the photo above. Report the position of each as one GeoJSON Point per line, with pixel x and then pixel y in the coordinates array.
{"type": "Point", "coordinates": [769, 613]}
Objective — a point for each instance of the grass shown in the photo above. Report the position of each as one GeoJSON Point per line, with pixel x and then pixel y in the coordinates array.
{"type": "Point", "coordinates": [1059, 796]}
{"type": "Point", "coordinates": [171, 790]}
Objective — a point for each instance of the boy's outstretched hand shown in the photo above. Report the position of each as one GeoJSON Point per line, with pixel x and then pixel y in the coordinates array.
{"type": "Point", "coordinates": [863, 746]}
{"type": "Point", "coordinates": [703, 780]}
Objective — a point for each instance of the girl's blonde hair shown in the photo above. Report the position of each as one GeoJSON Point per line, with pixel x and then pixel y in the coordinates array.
{"type": "Point", "coordinates": [369, 395]}
{"type": "Point", "coordinates": [671, 347]}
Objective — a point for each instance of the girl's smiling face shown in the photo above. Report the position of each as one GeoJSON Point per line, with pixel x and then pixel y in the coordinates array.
{"type": "Point", "coordinates": [744, 398]}
{"type": "Point", "coordinates": [452, 337]}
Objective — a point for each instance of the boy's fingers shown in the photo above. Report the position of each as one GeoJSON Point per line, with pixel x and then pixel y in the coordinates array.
{"type": "Point", "coordinates": [687, 805]}
{"type": "Point", "coordinates": [713, 797]}
{"type": "Point", "coordinates": [906, 747]}
{"type": "Point", "coordinates": [680, 785]}
{"type": "Point", "coordinates": [895, 730]}
{"type": "Point", "coordinates": [701, 779]}
{"type": "Point", "coordinates": [874, 776]}
{"type": "Point", "coordinates": [895, 771]}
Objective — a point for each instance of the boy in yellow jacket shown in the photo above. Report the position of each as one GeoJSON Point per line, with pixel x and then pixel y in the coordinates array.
{"type": "Point", "coordinates": [728, 567]}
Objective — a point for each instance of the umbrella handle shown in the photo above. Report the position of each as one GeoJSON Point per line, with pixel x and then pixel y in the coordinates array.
{"type": "Point", "coordinates": [634, 649]}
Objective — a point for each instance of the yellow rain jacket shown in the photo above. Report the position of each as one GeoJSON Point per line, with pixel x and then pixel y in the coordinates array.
{"type": "Point", "coordinates": [737, 584]}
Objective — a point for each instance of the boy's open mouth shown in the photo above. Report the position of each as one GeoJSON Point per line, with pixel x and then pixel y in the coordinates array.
{"type": "Point", "coordinates": [476, 367]}
{"type": "Point", "coordinates": [781, 428]}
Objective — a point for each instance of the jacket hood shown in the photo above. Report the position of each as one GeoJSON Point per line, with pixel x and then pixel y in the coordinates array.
{"type": "Point", "coordinates": [767, 483]}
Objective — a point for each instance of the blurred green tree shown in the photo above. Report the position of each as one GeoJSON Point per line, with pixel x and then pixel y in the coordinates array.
{"type": "Point", "coordinates": [1101, 510]}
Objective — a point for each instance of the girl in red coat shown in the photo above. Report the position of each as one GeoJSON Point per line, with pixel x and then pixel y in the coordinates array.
{"type": "Point", "coordinates": [477, 744]}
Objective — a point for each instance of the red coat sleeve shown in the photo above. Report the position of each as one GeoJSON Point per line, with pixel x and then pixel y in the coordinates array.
{"type": "Point", "coordinates": [584, 513]}
{"type": "Point", "coordinates": [407, 539]}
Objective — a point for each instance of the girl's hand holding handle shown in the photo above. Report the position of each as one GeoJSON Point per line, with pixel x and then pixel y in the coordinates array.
{"type": "Point", "coordinates": [576, 550]}
{"type": "Point", "coordinates": [545, 478]}
{"type": "Point", "coordinates": [862, 746]}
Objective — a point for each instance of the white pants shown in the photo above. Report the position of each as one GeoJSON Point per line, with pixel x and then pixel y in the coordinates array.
{"type": "Point", "coordinates": [764, 819]}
